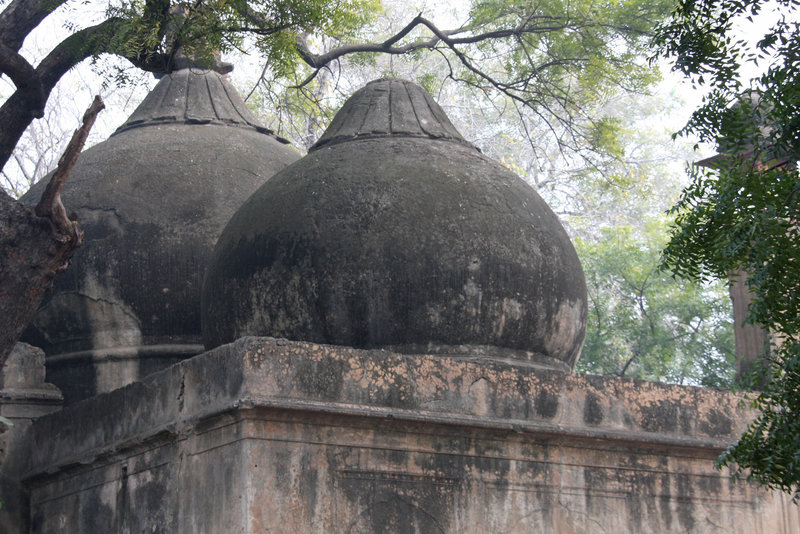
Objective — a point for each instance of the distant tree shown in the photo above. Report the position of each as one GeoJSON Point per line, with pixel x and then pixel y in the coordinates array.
{"type": "Point", "coordinates": [643, 322]}
{"type": "Point", "coordinates": [743, 214]}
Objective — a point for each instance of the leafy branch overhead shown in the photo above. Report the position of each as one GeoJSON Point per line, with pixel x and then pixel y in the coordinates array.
{"type": "Point", "coordinates": [549, 56]}
{"type": "Point", "coordinates": [554, 60]}
{"type": "Point", "coordinates": [740, 213]}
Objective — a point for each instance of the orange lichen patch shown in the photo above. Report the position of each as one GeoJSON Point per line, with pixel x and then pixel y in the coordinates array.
{"type": "Point", "coordinates": [434, 384]}
{"type": "Point", "coordinates": [493, 391]}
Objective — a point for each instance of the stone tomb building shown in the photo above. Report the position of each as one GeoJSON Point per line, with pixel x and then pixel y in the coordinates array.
{"type": "Point", "coordinates": [391, 324]}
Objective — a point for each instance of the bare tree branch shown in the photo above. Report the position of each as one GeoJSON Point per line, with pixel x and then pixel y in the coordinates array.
{"type": "Point", "coordinates": [50, 205]}
{"type": "Point", "coordinates": [36, 244]}
{"type": "Point", "coordinates": [317, 61]}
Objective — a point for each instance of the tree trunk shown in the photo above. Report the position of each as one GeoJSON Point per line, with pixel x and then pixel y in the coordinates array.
{"type": "Point", "coordinates": [752, 341]}
{"type": "Point", "coordinates": [35, 244]}
{"type": "Point", "coordinates": [32, 251]}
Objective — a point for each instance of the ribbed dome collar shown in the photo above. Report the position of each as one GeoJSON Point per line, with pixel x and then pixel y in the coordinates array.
{"type": "Point", "coordinates": [389, 107]}
{"type": "Point", "coordinates": [194, 96]}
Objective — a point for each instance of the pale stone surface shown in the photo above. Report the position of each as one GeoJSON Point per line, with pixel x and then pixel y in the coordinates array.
{"type": "Point", "coordinates": [24, 394]}
{"type": "Point", "coordinates": [266, 435]}
{"type": "Point", "coordinates": [23, 368]}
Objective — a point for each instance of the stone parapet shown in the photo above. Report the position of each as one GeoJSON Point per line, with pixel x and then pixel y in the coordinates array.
{"type": "Point", "coordinates": [266, 435]}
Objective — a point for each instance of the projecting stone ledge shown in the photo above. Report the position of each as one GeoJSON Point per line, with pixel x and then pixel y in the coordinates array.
{"type": "Point", "coordinates": [271, 435]}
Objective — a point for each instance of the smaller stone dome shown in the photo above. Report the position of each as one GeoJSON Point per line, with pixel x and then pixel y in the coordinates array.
{"type": "Point", "coordinates": [394, 232]}
{"type": "Point", "coordinates": [151, 200]}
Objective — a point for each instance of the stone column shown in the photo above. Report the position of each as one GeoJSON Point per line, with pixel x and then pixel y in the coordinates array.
{"type": "Point", "coordinates": [24, 396]}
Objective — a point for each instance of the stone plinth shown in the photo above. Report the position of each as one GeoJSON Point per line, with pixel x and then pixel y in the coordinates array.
{"type": "Point", "coordinates": [24, 396]}
{"type": "Point", "coordinates": [266, 435]}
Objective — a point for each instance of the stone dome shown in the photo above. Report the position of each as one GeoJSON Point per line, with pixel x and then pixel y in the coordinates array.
{"type": "Point", "coordinates": [394, 232]}
{"type": "Point", "coordinates": [152, 200]}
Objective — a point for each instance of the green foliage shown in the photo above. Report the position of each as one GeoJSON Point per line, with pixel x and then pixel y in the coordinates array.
{"type": "Point", "coordinates": [269, 27]}
{"type": "Point", "coordinates": [769, 452]}
{"type": "Point", "coordinates": [578, 49]}
{"type": "Point", "coordinates": [555, 71]}
{"type": "Point", "coordinates": [743, 213]}
{"type": "Point", "coordinates": [744, 217]}
{"type": "Point", "coordinates": [605, 136]}
{"type": "Point", "coordinates": [644, 323]}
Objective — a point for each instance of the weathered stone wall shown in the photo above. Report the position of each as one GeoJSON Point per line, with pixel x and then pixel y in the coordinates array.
{"type": "Point", "coordinates": [266, 435]}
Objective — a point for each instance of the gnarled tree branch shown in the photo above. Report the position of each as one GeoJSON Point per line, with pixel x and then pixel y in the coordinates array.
{"type": "Point", "coordinates": [36, 244]}
{"type": "Point", "coordinates": [49, 205]}
{"type": "Point", "coordinates": [24, 76]}
{"type": "Point", "coordinates": [318, 61]}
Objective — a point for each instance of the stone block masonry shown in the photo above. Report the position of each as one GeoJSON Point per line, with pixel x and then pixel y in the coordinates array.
{"type": "Point", "coordinates": [267, 435]}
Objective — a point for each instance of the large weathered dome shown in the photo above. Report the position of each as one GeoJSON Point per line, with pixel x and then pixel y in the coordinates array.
{"type": "Point", "coordinates": [151, 200]}
{"type": "Point", "coordinates": [395, 232]}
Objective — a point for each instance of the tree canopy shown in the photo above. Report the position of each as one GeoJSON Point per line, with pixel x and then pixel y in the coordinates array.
{"type": "Point", "coordinates": [645, 323]}
{"type": "Point", "coordinates": [549, 56]}
{"type": "Point", "coordinates": [741, 213]}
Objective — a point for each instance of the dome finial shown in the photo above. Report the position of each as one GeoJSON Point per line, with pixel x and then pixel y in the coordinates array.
{"type": "Point", "coordinates": [390, 107]}
{"type": "Point", "coordinates": [195, 96]}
